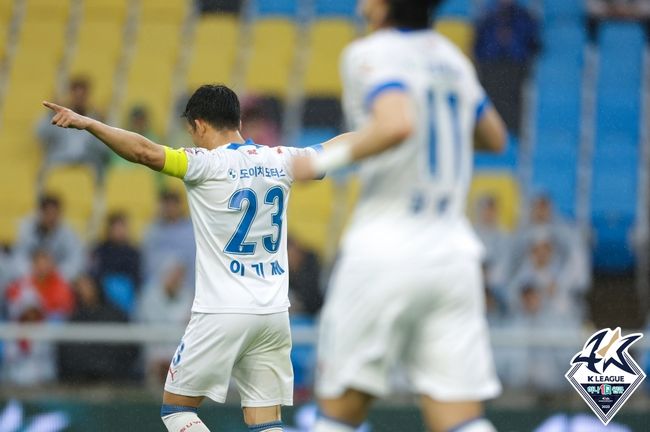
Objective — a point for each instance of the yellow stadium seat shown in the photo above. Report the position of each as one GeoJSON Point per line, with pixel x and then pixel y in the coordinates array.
{"type": "Point", "coordinates": [47, 10]}
{"type": "Point", "coordinates": [309, 213]}
{"type": "Point", "coordinates": [6, 11]}
{"type": "Point", "coordinates": [327, 40]}
{"type": "Point", "coordinates": [132, 189]}
{"type": "Point", "coordinates": [504, 188]}
{"type": "Point", "coordinates": [105, 10]}
{"type": "Point", "coordinates": [173, 11]}
{"type": "Point", "coordinates": [273, 52]}
{"type": "Point", "coordinates": [75, 185]}
{"type": "Point", "coordinates": [214, 50]}
{"type": "Point", "coordinates": [461, 33]}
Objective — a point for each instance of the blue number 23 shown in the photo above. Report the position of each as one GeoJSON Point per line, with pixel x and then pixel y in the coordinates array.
{"type": "Point", "coordinates": [246, 200]}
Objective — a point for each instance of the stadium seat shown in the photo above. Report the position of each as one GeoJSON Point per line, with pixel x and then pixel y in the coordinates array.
{"type": "Point", "coordinates": [6, 13]}
{"type": "Point", "coordinates": [563, 10]}
{"type": "Point", "coordinates": [327, 40]}
{"type": "Point", "coordinates": [132, 189]}
{"type": "Point", "coordinates": [343, 8]}
{"type": "Point", "coordinates": [322, 112]}
{"type": "Point", "coordinates": [312, 136]}
{"type": "Point", "coordinates": [460, 32]}
{"type": "Point", "coordinates": [47, 10]}
{"type": "Point", "coordinates": [17, 189]}
{"type": "Point", "coordinates": [75, 186]}
{"type": "Point", "coordinates": [455, 8]}
{"type": "Point", "coordinates": [220, 6]}
{"type": "Point", "coordinates": [273, 51]}
{"type": "Point", "coordinates": [99, 47]}
{"type": "Point", "coordinates": [168, 11]}
{"type": "Point", "coordinates": [287, 8]}
{"type": "Point", "coordinates": [310, 210]}
{"type": "Point", "coordinates": [615, 168]}
{"type": "Point", "coordinates": [504, 187]}
{"type": "Point", "coordinates": [214, 50]}
{"type": "Point", "coordinates": [105, 10]}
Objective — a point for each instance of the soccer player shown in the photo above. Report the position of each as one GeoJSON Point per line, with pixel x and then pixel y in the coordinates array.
{"type": "Point", "coordinates": [238, 193]}
{"type": "Point", "coordinates": [407, 289]}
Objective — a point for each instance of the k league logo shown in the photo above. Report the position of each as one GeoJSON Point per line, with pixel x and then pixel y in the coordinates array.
{"type": "Point", "coordinates": [604, 373]}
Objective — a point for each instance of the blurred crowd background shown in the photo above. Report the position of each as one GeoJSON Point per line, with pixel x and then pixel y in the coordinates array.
{"type": "Point", "coordinates": [86, 237]}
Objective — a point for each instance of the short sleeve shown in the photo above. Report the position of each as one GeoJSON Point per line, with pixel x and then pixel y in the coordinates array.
{"type": "Point", "coordinates": [203, 164]}
{"type": "Point", "coordinates": [291, 152]}
{"type": "Point", "coordinates": [478, 95]}
{"type": "Point", "coordinates": [369, 70]}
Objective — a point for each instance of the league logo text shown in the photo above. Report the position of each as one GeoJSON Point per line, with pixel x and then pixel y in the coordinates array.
{"type": "Point", "coordinates": [604, 373]}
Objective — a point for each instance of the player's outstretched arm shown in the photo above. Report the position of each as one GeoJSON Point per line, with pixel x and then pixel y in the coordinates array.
{"type": "Point", "coordinates": [129, 145]}
{"type": "Point", "coordinates": [490, 133]}
{"type": "Point", "coordinates": [391, 123]}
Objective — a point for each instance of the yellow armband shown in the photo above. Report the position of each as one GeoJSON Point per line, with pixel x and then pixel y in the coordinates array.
{"type": "Point", "coordinates": [175, 162]}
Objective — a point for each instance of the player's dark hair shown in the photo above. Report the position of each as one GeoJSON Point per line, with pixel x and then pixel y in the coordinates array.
{"type": "Point", "coordinates": [215, 104]}
{"type": "Point", "coordinates": [412, 14]}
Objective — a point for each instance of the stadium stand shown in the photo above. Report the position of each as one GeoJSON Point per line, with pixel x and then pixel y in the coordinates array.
{"type": "Point", "coordinates": [272, 8]}
{"type": "Point", "coordinates": [273, 42]}
{"type": "Point", "coordinates": [150, 74]}
{"type": "Point", "coordinates": [214, 50]}
{"type": "Point", "coordinates": [556, 130]}
{"type": "Point", "coordinates": [75, 186]}
{"type": "Point", "coordinates": [339, 8]}
{"type": "Point", "coordinates": [617, 146]}
{"type": "Point", "coordinates": [101, 30]}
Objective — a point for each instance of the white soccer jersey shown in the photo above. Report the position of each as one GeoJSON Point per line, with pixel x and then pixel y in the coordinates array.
{"type": "Point", "coordinates": [238, 196]}
{"type": "Point", "coordinates": [414, 194]}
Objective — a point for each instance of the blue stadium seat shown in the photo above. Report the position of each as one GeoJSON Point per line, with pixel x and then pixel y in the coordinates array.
{"type": "Point", "coordinates": [612, 251]}
{"type": "Point", "coordinates": [455, 8]}
{"type": "Point", "coordinates": [504, 161]}
{"type": "Point", "coordinates": [311, 136]}
{"type": "Point", "coordinates": [276, 7]}
{"type": "Point", "coordinates": [563, 10]}
{"type": "Point", "coordinates": [565, 38]}
{"type": "Point", "coordinates": [345, 8]}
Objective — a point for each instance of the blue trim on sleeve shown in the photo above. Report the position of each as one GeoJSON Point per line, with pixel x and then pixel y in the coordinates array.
{"type": "Point", "coordinates": [482, 107]}
{"type": "Point", "coordinates": [265, 426]}
{"type": "Point", "coordinates": [389, 85]}
{"type": "Point", "coordinates": [318, 148]}
{"type": "Point", "coordinates": [166, 410]}
{"type": "Point", "coordinates": [248, 142]}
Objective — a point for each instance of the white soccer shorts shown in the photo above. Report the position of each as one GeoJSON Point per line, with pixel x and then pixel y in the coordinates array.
{"type": "Point", "coordinates": [253, 349]}
{"type": "Point", "coordinates": [426, 318]}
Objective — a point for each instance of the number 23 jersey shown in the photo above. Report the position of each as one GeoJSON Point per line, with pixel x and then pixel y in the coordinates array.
{"type": "Point", "coordinates": [238, 197]}
{"type": "Point", "coordinates": [412, 200]}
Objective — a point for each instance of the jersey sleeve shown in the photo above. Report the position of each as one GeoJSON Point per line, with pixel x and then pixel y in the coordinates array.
{"type": "Point", "coordinates": [367, 71]}
{"type": "Point", "coordinates": [192, 165]}
{"type": "Point", "coordinates": [292, 152]}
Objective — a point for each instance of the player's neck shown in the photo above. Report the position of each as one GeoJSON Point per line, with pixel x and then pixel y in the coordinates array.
{"type": "Point", "coordinates": [221, 138]}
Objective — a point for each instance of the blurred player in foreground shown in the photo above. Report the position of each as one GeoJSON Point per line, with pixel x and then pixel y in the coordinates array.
{"type": "Point", "coordinates": [238, 193]}
{"type": "Point", "coordinates": [407, 290]}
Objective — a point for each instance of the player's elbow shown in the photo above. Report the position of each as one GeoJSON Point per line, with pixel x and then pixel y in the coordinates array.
{"type": "Point", "coordinates": [399, 131]}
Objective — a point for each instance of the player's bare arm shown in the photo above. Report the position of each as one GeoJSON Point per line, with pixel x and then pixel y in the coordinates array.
{"type": "Point", "coordinates": [129, 145]}
{"type": "Point", "coordinates": [391, 123]}
{"type": "Point", "coordinates": [490, 133]}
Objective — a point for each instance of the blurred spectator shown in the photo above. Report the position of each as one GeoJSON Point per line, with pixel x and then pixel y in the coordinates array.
{"type": "Point", "coordinates": [304, 276]}
{"type": "Point", "coordinates": [26, 362]}
{"type": "Point", "coordinates": [258, 122]}
{"type": "Point", "coordinates": [6, 274]}
{"type": "Point", "coordinates": [219, 6]}
{"type": "Point", "coordinates": [567, 243]}
{"type": "Point", "coordinates": [69, 146]}
{"type": "Point", "coordinates": [495, 240]}
{"type": "Point", "coordinates": [54, 294]}
{"type": "Point", "coordinates": [47, 231]}
{"type": "Point", "coordinates": [116, 264]}
{"type": "Point", "coordinates": [533, 367]}
{"type": "Point", "coordinates": [93, 361]}
{"type": "Point", "coordinates": [630, 10]}
{"type": "Point", "coordinates": [542, 269]}
{"type": "Point", "coordinates": [166, 301]}
{"type": "Point", "coordinates": [507, 40]}
{"type": "Point", "coordinates": [171, 235]}
{"type": "Point", "coordinates": [139, 122]}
